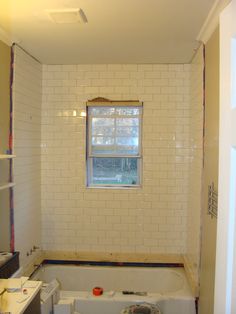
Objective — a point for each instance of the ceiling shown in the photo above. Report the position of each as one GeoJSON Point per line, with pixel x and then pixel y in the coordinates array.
{"type": "Point", "coordinates": [118, 31]}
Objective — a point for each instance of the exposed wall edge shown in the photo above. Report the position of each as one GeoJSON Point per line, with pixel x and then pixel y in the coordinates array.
{"type": "Point", "coordinates": [193, 282]}
{"type": "Point", "coordinates": [212, 20]}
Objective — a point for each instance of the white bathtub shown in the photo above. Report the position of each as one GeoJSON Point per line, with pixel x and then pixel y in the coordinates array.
{"type": "Point", "coordinates": [166, 287]}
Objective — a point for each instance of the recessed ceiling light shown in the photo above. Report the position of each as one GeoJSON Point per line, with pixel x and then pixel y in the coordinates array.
{"type": "Point", "coordinates": [64, 16]}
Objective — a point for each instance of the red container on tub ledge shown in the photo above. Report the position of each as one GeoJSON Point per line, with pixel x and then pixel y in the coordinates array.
{"type": "Point", "coordinates": [97, 291]}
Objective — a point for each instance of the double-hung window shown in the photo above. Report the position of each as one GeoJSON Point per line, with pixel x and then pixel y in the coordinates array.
{"type": "Point", "coordinates": [114, 144]}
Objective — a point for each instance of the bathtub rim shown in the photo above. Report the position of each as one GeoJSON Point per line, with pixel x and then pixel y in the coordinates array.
{"type": "Point", "coordinates": [176, 269]}
{"type": "Point", "coordinates": [46, 262]}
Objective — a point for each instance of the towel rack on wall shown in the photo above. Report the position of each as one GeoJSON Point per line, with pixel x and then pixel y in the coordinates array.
{"type": "Point", "coordinates": [212, 207]}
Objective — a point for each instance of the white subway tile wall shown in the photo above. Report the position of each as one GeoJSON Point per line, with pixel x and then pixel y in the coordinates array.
{"type": "Point", "coordinates": [151, 219]}
{"type": "Point", "coordinates": [196, 165]}
{"type": "Point", "coordinates": [27, 100]}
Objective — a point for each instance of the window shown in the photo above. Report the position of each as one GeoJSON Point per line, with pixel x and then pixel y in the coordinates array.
{"type": "Point", "coordinates": [114, 144]}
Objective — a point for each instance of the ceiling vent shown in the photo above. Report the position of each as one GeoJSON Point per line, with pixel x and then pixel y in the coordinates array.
{"type": "Point", "coordinates": [66, 16]}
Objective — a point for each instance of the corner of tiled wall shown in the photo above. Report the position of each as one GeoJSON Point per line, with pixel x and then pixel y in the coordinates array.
{"type": "Point", "coordinates": [192, 256]}
{"type": "Point", "coordinates": [27, 99]}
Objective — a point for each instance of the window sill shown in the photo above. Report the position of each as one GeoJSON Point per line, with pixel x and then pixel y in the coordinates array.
{"type": "Point", "coordinates": [136, 187]}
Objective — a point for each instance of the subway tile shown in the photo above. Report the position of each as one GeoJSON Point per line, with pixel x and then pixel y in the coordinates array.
{"type": "Point", "coordinates": [155, 211]}
{"type": "Point", "coordinates": [27, 140]}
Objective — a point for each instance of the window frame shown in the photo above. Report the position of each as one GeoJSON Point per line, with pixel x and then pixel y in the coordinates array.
{"type": "Point", "coordinates": [90, 156]}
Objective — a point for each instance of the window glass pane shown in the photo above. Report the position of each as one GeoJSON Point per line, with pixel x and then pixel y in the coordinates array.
{"type": "Point", "coordinates": [127, 131]}
{"type": "Point", "coordinates": [101, 111]}
{"type": "Point", "coordinates": [127, 145]}
{"type": "Point", "coordinates": [102, 150]}
{"type": "Point", "coordinates": [123, 111]}
{"type": "Point", "coordinates": [127, 141]}
{"type": "Point", "coordinates": [109, 122]}
{"type": "Point", "coordinates": [118, 136]}
{"type": "Point", "coordinates": [116, 146]}
{"type": "Point", "coordinates": [114, 143]}
{"type": "Point", "coordinates": [127, 150]}
{"type": "Point", "coordinates": [114, 171]}
{"type": "Point", "coordinates": [103, 130]}
{"type": "Point", "coordinates": [127, 121]}
{"type": "Point", "coordinates": [102, 141]}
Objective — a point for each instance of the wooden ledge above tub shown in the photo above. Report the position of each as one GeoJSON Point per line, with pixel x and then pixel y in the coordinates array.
{"type": "Point", "coordinates": [114, 257]}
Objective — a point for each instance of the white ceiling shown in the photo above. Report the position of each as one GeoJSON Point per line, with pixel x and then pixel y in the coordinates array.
{"type": "Point", "coordinates": [118, 31]}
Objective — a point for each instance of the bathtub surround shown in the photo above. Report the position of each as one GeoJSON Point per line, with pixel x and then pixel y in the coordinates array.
{"type": "Point", "coordinates": [151, 219]}
{"type": "Point", "coordinates": [142, 224]}
{"type": "Point", "coordinates": [27, 98]}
